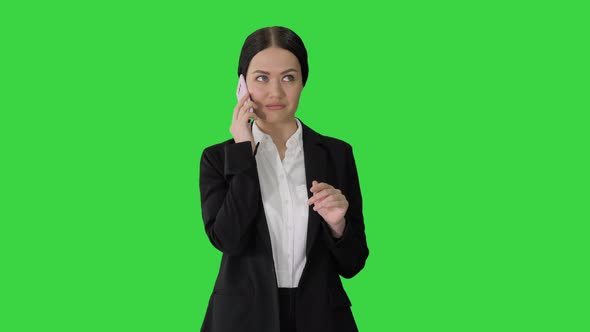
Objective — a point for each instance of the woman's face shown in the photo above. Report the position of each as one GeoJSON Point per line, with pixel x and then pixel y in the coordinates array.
{"type": "Point", "coordinates": [275, 83]}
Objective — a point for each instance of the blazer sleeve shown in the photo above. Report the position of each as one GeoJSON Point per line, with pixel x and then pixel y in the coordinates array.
{"type": "Point", "coordinates": [230, 197]}
{"type": "Point", "coordinates": [350, 251]}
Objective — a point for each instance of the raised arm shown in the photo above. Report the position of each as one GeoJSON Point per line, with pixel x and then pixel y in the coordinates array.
{"type": "Point", "coordinates": [230, 195]}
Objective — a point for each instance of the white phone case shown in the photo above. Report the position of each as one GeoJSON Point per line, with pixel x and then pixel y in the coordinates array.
{"type": "Point", "coordinates": [243, 90]}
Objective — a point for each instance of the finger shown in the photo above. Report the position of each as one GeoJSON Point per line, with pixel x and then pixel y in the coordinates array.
{"type": "Point", "coordinates": [313, 184]}
{"type": "Point", "coordinates": [245, 117]}
{"type": "Point", "coordinates": [239, 105]}
{"type": "Point", "coordinates": [331, 205]}
{"type": "Point", "coordinates": [317, 186]}
{"type": "Point", "coordinates": [250, 116]}
{"type": "Point", "coordinates": [319, 196]}
{"type": "Point", "coordinates": [330, 199]}
{"type": "Point", "coordinates": [248, 105]}
{"type": "Point", "coordinates": [244, 112]}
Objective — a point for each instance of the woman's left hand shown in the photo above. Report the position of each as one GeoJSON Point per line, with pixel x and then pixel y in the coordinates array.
{"type": "Point", "coordinates": [331, 204]}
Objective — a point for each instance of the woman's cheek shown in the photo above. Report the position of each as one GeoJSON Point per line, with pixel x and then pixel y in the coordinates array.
{"type": "Point", "coordinates": [255, 94]}
{"type": "Point", "coordinates": [295, 96]}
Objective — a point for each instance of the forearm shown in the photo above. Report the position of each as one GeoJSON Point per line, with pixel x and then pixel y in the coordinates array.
{"type": "Point", "coordinates": [337, 229]}
{"type": "Point", "coordinates": [350, 250]}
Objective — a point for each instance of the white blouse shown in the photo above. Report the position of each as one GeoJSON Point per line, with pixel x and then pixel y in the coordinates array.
{"type": "Point", "coordinates": [284, 195]}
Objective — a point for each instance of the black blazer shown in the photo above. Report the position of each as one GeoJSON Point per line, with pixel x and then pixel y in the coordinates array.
{"type": "Point", "coordinates": [245, 296]}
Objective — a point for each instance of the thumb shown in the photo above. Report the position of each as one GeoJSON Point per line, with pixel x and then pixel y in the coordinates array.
{"type": "Point", "coordinates": [313, 184]}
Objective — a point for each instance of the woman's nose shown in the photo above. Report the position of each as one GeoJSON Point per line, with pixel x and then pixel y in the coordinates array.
{"type": "Point", "coordinates": [276, 90]}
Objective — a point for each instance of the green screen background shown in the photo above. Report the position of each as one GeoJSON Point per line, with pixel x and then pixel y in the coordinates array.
{"type": "Point", "coordinates": [468, 122]}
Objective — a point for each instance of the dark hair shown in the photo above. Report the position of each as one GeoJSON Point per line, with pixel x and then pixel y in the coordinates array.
{"type": "Point", "coordinates": [273, 36]}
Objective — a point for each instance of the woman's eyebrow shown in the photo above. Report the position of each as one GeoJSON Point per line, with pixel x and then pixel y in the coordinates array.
{"type": "Point", "coordinates": [267, 73]}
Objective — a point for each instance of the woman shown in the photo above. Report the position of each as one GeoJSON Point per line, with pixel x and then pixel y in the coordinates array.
{"type": "Point", "coordinates": [282, 203]}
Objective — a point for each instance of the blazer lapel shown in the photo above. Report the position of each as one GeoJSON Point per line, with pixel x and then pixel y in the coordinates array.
{"type": "Point", "coordinates": [262, 228]}
{"type": "Point", "coordinates": [315, 160]}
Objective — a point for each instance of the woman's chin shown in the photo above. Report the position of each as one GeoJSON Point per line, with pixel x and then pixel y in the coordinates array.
{"type": "Point", "coordinates": [273, 118]}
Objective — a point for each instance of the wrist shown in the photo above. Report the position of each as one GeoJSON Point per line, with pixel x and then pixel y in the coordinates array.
{"type": "Point", "coordinates": [337, 229]}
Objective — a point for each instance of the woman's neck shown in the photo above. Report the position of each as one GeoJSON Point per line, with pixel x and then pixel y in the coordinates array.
{"type": "Point", "coordinates": [279, 132]}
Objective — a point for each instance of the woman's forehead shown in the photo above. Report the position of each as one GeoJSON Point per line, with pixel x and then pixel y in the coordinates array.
{"type": "Point", "coordinates": [274, 60]}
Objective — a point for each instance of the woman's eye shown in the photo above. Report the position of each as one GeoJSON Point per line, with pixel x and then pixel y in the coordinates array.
{"type": "Point", "coordinates": [288, 78]}
{"type": "Point", "coordinates": [262, 78]}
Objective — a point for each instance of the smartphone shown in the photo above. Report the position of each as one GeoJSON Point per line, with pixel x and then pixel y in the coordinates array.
{"type": "Point", "coordinates": [243, 90]}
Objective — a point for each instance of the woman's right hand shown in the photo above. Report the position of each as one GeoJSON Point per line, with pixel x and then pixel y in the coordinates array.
{"type": "Point", "coordinates": [240, 126]}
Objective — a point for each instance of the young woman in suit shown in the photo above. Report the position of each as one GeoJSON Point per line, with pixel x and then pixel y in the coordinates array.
{"type": "Point", "coordinates": [282, 203]}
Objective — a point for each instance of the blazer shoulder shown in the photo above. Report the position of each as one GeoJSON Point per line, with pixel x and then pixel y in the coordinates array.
{"type": "Point", "coordinates": [216, 148]}
{"type": "Point", "coordinates": [313, 137]}
{"type": "Point", "coordinates": [214, 155]}
{"type": "Point", "coordinates": [336, 144]}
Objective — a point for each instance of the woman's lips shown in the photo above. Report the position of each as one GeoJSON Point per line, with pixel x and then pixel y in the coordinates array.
{"type": "Point", "coordinates": [275, 107]}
